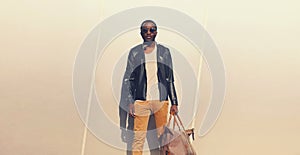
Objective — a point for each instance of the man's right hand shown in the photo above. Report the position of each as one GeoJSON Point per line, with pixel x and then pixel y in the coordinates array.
{"type": "Point", "coordinates": [131, 110]}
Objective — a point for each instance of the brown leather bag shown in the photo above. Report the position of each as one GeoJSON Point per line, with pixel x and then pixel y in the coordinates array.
{"type": "Point", "coordinates": [176, 142]}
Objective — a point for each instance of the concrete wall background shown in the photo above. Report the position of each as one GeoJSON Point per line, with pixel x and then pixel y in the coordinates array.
{"type": "Point", "coordinates": [257, 39]}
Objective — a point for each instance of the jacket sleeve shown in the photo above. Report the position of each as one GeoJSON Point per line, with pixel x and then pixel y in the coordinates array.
{"type": "Point", "coordinates": [170, 79]}
{"type": "Point", "coordinates": [126, 91]}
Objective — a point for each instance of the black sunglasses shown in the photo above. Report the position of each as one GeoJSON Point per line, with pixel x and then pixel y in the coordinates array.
{"type": "Point", "coordinates": [145, 30]}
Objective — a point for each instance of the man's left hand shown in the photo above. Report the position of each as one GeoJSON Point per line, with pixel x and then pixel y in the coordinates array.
{"type": "Point", "coordinates": [173, 109]}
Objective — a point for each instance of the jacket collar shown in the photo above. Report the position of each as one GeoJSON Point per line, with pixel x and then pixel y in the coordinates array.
{"type": "Point", "coordinates": [159, 54]}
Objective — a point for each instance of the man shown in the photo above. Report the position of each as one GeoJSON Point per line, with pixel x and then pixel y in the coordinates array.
{"type": "Point", "coordinates": [148, 82]}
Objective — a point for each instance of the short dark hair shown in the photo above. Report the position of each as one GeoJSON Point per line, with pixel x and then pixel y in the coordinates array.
{"type": "Point", "coordinates": [148, 21]}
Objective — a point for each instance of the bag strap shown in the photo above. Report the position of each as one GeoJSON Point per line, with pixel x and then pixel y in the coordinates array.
{"type": "Point", "coordinates": [175, 122]}
{"type": "Point", "coordinates": [180, 121]}
{"type": "Point", "coordinates": [176, 116]}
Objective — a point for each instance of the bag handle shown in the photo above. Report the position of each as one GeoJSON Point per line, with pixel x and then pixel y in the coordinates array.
{"type": "Point", "coordinates": [175, 118]}
{"type": "Point", "coordinates": [180, 121]}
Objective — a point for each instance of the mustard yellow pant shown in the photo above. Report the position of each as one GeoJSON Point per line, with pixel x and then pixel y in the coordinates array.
{"type": "Point", "coordinates": [143, 110]}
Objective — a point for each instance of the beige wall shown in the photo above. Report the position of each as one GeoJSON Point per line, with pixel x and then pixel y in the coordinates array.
{"type": "Point", "coordinates": [258, 41]}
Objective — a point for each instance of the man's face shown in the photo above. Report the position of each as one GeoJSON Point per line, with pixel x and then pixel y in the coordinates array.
{"type": "Point", "coordinates": [148, 32]}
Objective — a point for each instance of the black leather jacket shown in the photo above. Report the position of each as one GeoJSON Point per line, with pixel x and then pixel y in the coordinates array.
{"type": "Point", "coordinates": [134, 84]}
{"type": "Point", "coordinates": [135, 79]}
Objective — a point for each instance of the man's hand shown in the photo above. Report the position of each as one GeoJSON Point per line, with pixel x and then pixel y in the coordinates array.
{"type": "Point", "coordinates": [131, 110]}
{"type": "Point", "coordinates": [173, 109]}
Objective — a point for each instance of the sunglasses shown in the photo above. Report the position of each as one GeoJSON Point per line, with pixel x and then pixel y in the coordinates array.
{"type": "Point", "coordinates": [145, 30]}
